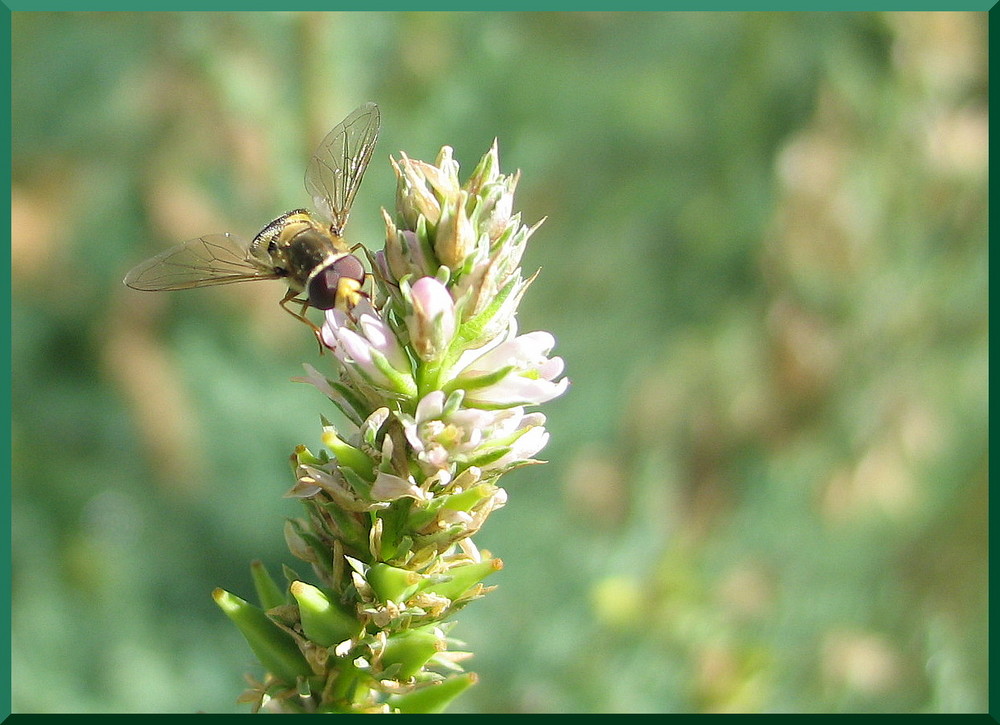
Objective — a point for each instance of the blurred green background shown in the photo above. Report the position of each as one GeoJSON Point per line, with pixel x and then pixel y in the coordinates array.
{"type": "Point", "coordinates": [765, 263]}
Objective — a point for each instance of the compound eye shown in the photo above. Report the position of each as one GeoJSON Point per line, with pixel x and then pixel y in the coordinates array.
{"type": "Point", "coordinates": [324, 284]}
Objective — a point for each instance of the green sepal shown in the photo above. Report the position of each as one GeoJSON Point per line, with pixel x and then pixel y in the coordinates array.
{"type": "Point", "coordinates": [392, 583]}
{"type": "Point", "coordinates": [470, 331]}
{"type": "Point", "coordinates": [426, 231]}
{"type": "Point", "coordinates": [308, 547]}
{"type": "Point", "coordinates": [462, 501]}
{"type": "Point", "coordinates": [347, 455]}
{"type": "Point", "coordinates": [303, 456]}
{"type": "Point", "coordinates": [488, 457]}
{"type": "Point", "coordinates": [487, 171]}
{"type": "Point", "coordinates": [433, 697]}
{"type": "Point", "coordinates": [479, 381]}
{"type": "Point", "coordinates": [394, 527]}
{"type": "Point", "coordinates": [403, 547]}
{"type": "Point", "coordinates": [411, 649]}
{"type": "Point", "coordinates": [348, 685]}
{"type": "Point", "coordinates": [290, 574]}
{"type": "Point", "coordinates": [463, 577]}
{"type": "Point", "coordinates": [349, 529]}
{"type": "Point", "coordinates": [353, 406]}
{"type": "Point", "coordinates": [275, 648]}
{"type": "Point", "coordinates": [323, 621]}
{"type": "Point", "coordinates": [441, 539]}
{"type": "Point", "coordinates": [452, 404]}
{"type": "Point", "coordinates": [466, 500]}
{"type": "Point", "coordinates": [420, 517]}
{"type": "Point", "coordinates": [362, 487]}
{"type": "Point", "coordinates": [402, 382]}
{"type": "Point", "coordinates": [269, 594]}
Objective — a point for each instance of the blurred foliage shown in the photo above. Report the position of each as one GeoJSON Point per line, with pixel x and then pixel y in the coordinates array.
{"type": "Point", "coordinates": [765, 262]}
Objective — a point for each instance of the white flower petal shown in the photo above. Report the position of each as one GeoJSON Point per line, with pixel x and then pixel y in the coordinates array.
{"type": "Point", "coordinates": [388, 487]}
{"type": "Point", "coordinates": [518, 390]}
{"type": "Point", "coordinates": [430, 406]}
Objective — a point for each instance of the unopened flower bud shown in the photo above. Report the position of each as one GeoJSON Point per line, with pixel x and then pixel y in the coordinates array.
{"type": "Point", "coordinates": [411, 649]}
{"type": "Point", "coordinates": [432, 323]}
{"type": "Point", "coordinates": [486, 171]}
{"type": "Point", "coordinates": [433, 697]}
{"type": "Point", "coordinates": [322, 621]}
{"type": "Point", "coordinates": [413, 198]}
{"type": "Point", "coordinates": [442, 175]}
{"type": "Point", "coordinates": [456, 237]}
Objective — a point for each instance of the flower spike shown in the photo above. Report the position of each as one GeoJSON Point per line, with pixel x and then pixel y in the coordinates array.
{"type": "Point", "coordinates": [437, 388]}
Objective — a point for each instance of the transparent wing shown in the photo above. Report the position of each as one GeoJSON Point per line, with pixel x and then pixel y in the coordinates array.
{"type": "Point", "coordinates": [209, 260]}
{"type": "Point", "coordinates": [335, 170]}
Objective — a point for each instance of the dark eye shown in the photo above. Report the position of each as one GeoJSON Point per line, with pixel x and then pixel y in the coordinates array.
{"type": "Point", "coordinates": [322, 286]}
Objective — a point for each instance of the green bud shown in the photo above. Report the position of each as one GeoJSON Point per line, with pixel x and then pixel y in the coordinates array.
{"type": "Point", "coordinates": [390, 582]}
{"type": "Point", "coordinates": [275, 648]}
{"type": "Point", "coordinates": [433, 697]}
{"type": "Point", "coordinates": [322, 621]}
{"type": "Point", "coordinates": [348, 455]}
{"type": "Point", "coordinates": [463, 577]}
{"type": "Point", "coordinates": [411, 649]}
{"type": "Point", "coordinates": [269, 594]}
{"type": "Point", "coordinates": [303, 456]}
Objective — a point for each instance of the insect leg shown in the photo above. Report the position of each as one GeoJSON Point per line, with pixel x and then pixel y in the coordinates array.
{"type": "Point", "coordinates": [301, 315]}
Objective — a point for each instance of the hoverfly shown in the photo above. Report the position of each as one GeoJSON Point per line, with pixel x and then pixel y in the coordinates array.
{"type": "Point", "coordinates": [308, 253]}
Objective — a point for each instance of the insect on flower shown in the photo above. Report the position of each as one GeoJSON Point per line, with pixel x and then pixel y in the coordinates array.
{"type": "Point", "coordinates": [309, 253]}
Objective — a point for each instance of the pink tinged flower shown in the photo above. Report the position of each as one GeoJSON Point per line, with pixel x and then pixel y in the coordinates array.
{"type": "Point", "coordinates": [515, 372]}
{"type": "Point", "coordinates": [445, 436]}
{"type": "Point", "coordinates": [432, 323]}
{"type": "Point", "coordinates": [367, 347]}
